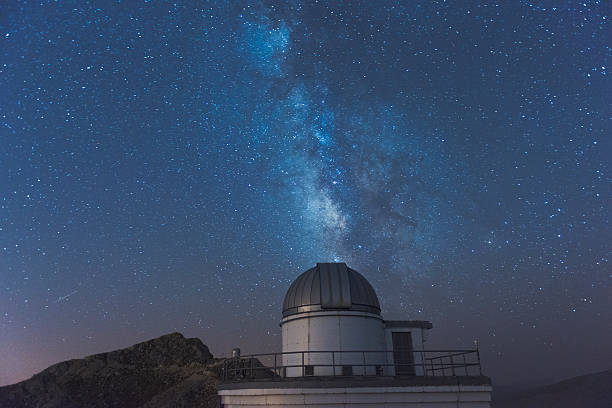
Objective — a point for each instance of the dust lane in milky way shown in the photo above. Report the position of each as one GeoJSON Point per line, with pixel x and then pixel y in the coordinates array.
{"type": "Point", "coordinates": [171, 166]}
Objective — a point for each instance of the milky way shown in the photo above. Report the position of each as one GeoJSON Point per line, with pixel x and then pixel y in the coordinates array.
{"type": "Point", "coordinates": [173, 167]}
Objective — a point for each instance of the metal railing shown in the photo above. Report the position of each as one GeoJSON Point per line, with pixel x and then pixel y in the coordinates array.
{"type": "Point", "coordinates": [362, 363]}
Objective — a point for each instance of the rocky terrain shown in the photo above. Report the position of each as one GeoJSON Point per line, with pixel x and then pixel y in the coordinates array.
{"type": "Point", "coordinates": [592, 391]}
{"type": "Point", "coordinates": [170, 371]}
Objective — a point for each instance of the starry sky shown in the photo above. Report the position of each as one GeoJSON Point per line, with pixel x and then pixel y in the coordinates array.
{"type": "Point", "coordinates": [174, 166]}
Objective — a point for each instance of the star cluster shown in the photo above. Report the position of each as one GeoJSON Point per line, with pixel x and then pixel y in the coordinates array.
{"type": "Point", "coordinates": [170, 166]}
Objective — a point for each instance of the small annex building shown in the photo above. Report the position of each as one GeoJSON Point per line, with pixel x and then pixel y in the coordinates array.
{"type": "Point", "coordinates": [338, 351]}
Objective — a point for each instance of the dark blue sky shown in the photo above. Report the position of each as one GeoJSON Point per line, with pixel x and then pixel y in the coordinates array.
{"type": "Point", "coordinates": [171, 166]}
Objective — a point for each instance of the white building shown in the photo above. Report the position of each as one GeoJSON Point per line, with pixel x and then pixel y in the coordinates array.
{"type": "Point", "coordinates": [337, 351]}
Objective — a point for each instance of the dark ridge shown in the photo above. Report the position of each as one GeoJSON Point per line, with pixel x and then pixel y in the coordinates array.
{"type": "Point", "coordinates": [167, 371]}
{"type": "Point", "coordinates": [591, 390]}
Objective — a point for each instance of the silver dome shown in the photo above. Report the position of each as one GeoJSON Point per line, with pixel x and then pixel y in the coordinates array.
{"type": "Point", "coordinates": [330, 286]}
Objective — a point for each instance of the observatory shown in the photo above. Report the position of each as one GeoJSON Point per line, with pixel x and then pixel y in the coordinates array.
{"type": "Point", "coordinates": [338, 351]}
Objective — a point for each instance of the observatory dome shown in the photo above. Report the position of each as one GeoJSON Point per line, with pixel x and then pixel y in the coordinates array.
{"type": "Point", "coordinates": [330, 286]}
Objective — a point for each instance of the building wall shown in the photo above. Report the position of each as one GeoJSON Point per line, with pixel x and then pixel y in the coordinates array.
{"type": "Point", "coordinates": [462, 396]}
{"type": "Point", "coordinates": [334, 330]}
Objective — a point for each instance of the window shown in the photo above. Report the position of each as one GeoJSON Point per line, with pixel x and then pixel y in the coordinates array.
{"type": "Point", "coordinates": [347, 370]}
{"type": "Point", "coordinates": [308, 370]}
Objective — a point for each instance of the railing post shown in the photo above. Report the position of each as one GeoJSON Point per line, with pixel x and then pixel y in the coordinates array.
{"type": "Point", "coordinates": [275, 372]}
{"type": "Point", "coordinates": [452, 361]}
{"type": "Point", "coordinates": [303, 373]}
{"type": "Point", "coordinates": [334, 362]}
{"type": "Point", "coordinates": [465, 365]}
{"type": "Point", "coordinates": [423, 362]}
{"type": "Point", "coordinates": [252, 364]}
{"type": "Point", "coordinates": [364, 363]}
{"type": "Point", "coordinates": [478, 357]}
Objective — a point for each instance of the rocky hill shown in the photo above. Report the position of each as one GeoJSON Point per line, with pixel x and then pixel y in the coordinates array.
{"type": "Point", "coordinates": [168, 371]}
{"type": "Point", "coordinates": [592, 390]}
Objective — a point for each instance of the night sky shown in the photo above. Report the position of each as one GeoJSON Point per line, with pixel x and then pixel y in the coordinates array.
{"type": "Point", "coordinates": [173, 167]}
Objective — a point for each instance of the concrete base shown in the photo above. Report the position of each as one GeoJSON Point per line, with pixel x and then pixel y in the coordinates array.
{"type": "Point", "coordinates": [345, 393]}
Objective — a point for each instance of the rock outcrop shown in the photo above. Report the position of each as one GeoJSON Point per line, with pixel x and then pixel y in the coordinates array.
{"type": "Point", "coordinates": [170, 371]}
